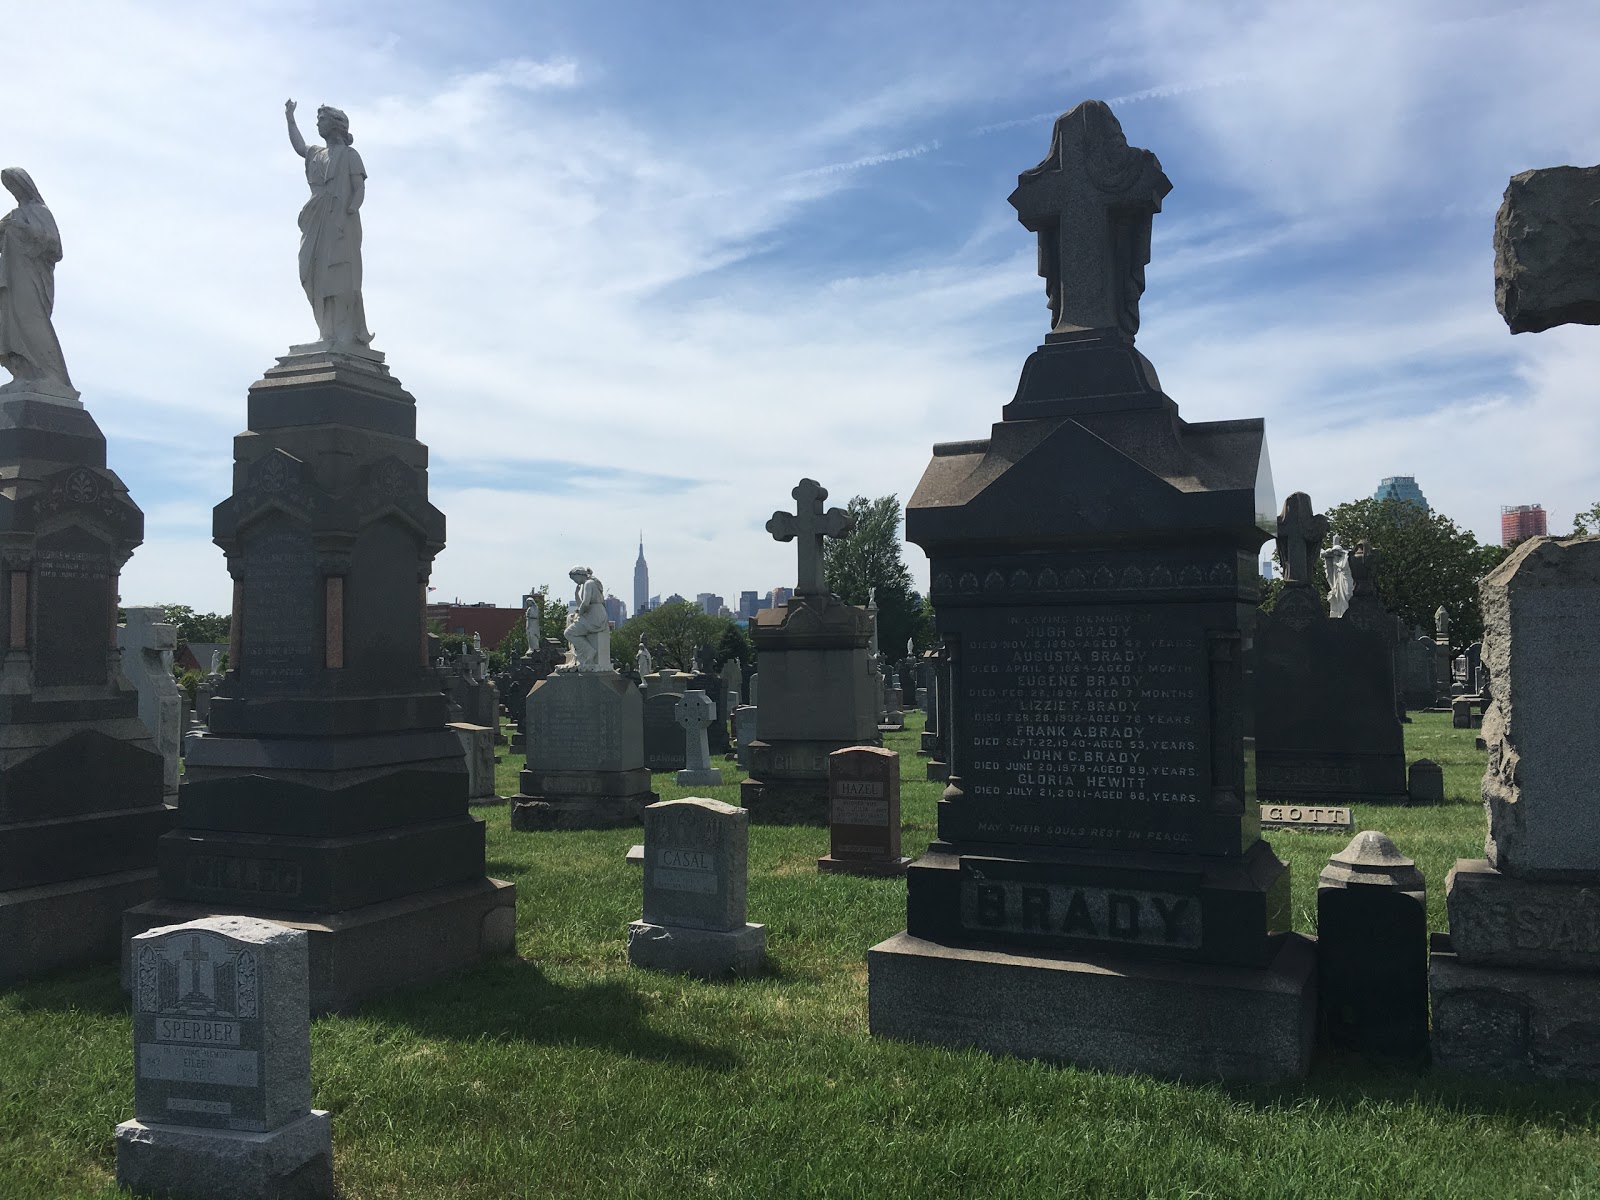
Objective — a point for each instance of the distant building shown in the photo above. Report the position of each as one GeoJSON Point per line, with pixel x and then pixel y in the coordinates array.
{"type": "Point", "coordinates": [616, 610]}
{"type": "Point", "coordinates": [641, 580]}
{"type": "Point", "coordinates": [779, 596]}
{"type": "Point", "coordinates": [673, 599]}
{"type": "Point", "coordinates": [1518, 522]}
{"type": "Point", "coordinates": [1402, 487]}
{"type": "Point", "coordinates": [655, 601]}
{"type": "Point", "coordinates": [710, 603]}
{"type": "Point", "coordinates": [488, 622]}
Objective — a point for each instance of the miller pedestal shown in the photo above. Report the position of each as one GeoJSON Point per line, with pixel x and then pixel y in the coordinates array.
{"type": "Point", "coordinates": [330, 794]}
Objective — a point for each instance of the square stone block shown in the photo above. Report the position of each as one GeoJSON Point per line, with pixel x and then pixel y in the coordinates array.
{"type": "Point", "coordinates": [1175, 1020]}
{"type": "Point", "coordinates": [705, 953]}
{"type": "Point", "coordinates": [183, 1163]}
{"type": "Point", "coordinates": [1499, 920]}
{"type": "Point", "coordinates": [68, 924]}
{"type": "Point", "coordinates": [710, 777]}
{"type": "Point", "coordinates": [1512, 1022]}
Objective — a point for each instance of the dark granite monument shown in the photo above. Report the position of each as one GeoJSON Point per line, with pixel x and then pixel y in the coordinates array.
{"type": "Point", "coordinates": [1326, 728]}
{"type": "Point", "coordinates": [663, 737]}
{"type": "Point", "coordinates": [1372, 952]}
{"type": "Point", "coordinates": [817, 690]}
{"type": "Point", "coordinates": [1098, 892]}
{"type": "Point", "coordinates": [330, 794]}
{"type": "Point", "coordinates": [81, 793]}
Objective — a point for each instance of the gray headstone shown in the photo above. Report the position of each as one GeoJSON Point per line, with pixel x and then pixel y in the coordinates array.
{"type": "Point", "coordinates": [147, 643]}
{"type": "Point", "coordinates": [744, 732]}
{"type": "Point", "coordinates": [695, 877]}
{"type": "Point", "coordinates": [1547, 249]}
{"type": "Point", "coordinates": [1425, 784]}
{"type": "Point", "coordinates": [731, 682]}
{"type": "Point", "coordinates": [222, 1064]}
{"type": "Point", "coordinates": [1541, 608]}
{"type": "Point", "coordinates": [477, 743]}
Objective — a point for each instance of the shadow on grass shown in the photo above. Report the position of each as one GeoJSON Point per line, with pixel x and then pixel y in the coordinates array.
{"type": "Point", "coordinates": [1344, 1085]}
{"type": "Point", "coordinates": [513, 1000]}
{"type": "Point", "coordinates": [81, 989]}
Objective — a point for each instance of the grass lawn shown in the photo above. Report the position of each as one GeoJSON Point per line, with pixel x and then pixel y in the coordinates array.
{"type": "Point", "coordinates": [566, 1073]}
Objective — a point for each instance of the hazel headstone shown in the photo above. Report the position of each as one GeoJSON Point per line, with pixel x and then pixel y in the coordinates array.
{"type": "Point", "coordinates": [863, 813]}
{"type": "Point", "coordinates": [694, 711]}
{"type": "Point", "coordinates": [695, 879]}
{"type": "Point", "coordinates": [222, 1062]}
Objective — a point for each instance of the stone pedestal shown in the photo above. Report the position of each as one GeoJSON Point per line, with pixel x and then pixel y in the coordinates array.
{"type": "Point", "coordinates": [477, 744]}
{"type": "Point", "coordinates": [1175, 1021]}
{"type": "Point", "coordinates": [81, 779]}
{"type": "Point", "coordinates": [817, 697]}
{"type": "Point", "coordinates": [329, 792]}
{"type": "Point", "coordinates": [586, 766]}
{"type": "Point", "coordinates": [1516, 986]}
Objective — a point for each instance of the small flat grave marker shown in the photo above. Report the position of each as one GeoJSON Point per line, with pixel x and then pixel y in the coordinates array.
{"type": "Point", "coordinates": [1305, 816]}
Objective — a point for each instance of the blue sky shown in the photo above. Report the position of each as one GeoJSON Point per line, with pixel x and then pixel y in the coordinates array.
{"type": "Point", "coordinates": [646, 265]}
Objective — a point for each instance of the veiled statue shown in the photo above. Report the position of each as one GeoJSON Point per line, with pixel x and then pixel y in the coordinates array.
{"type": "Point", "coordinates": [1341, 580]}
{"type": "Point", "coordinates": [30, 248]}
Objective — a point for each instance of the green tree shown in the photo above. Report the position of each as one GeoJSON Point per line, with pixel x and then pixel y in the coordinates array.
{"type": "Point", "coordinates": [870, 557]}
{"type": "Point", "coordinates": [197, 627]}
{"type": "Point", "coordinates": [1588, 521]}
{"type": "Point", "coordinates": [735, 643]}
{"type": "Point", "coordinates": [1427, 561]}
{"type": "Point", "coordinates": [675, 629]}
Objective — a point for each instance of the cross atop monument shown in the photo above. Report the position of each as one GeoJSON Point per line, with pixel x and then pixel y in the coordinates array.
{"type": "Point", "coordinates": [809, 524]}
{"type": "Point", "coordinates": [1090, 202]}
{"type": "Point", "coordinates": [1300, 534]}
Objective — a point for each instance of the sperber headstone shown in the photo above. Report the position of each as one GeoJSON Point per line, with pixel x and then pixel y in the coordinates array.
{"type": "Point", "coordinates": [693, 712]}
{"type": "Point", "coordinates": [695, 885]}
{"type": "Point", "coordinates": [863, 813]}
{"type": "Point", "coordinates": [222, 1066]}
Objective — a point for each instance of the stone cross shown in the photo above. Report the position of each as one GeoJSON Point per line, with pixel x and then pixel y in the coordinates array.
{"type": "Point", "coordinates": [1300, 534]}
{"type": "Point", "coordinates": [694, 711]}
{"type": "Point", "coordinates": [808, 525]}
{"type": "Point", "coordinates": [1090, 202]}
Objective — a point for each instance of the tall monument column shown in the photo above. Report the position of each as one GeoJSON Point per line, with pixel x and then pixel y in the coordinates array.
{"type": "Point", "coordinates": [330, 794]}
{"type": "Point", "coordinates": [1098, 876]}
{"type": "Point", "coordinates": [81, 802]}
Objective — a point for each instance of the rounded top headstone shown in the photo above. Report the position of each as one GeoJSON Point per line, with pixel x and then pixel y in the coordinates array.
{"type": "Point", "coordinates": [1371, 859]}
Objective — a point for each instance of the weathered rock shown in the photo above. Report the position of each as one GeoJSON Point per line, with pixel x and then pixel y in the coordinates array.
{"type": "Point", "coordinates": [1547, 249]}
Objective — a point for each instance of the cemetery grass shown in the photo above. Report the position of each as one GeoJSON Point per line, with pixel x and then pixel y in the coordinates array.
{"type": "Point", "coordinates": [565, 1073]}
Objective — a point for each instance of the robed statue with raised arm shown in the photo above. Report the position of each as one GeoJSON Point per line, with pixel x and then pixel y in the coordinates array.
{"type": "Point", "coordinates": [330, 229]}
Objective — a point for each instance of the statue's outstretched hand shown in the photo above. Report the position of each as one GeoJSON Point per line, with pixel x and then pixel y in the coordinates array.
{"type": "Point", "coordinates": [288, 108]}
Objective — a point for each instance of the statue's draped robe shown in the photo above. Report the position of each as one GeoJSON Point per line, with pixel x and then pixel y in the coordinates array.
{"type": "Point", "coordinates": [590, 616]}
{"type": "Point", "coordinates": [330, 243]}
{"type": "Point", "coordinates": [1341, 582]}
{"type": "Point", "coordinates": [30, 247]}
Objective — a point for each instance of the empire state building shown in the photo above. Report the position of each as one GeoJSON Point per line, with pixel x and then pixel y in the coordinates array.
{"type": "Point", "coordinates": [641, 581]}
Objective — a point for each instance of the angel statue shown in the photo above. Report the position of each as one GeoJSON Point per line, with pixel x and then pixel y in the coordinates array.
{"type": "Point", "coordinates": [30, 248]}
{"type": "Point", "coordinates": [1341, 581]}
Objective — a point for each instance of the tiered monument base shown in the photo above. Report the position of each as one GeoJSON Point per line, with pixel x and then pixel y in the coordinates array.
{"type": "Point", "coordinates": [362, 953]}
{"type": "Point", "coordinates": [70, 924]}
{"type": "Point", "coordinates": [1175, 1020]}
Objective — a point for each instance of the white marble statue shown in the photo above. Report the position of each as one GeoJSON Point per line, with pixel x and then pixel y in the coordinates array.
{"type": "Point", "coordinates": [642, 662]}
{"type": "Point", "coordinates": [588, 626]}
{"type": "Point", "coordinates": [216, 662]}
{"type": "Point", "coordinates": [330, 229]}
{"type": "Point", "coordinates": [30, 248]}
{"type": "Point", "coordinates": [1341, 582]}
{"type": "Point", "coordinates": [530, 622]}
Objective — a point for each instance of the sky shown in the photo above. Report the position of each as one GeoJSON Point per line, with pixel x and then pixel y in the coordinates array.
{"type": "Point", "coordinates": [646, 265]}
